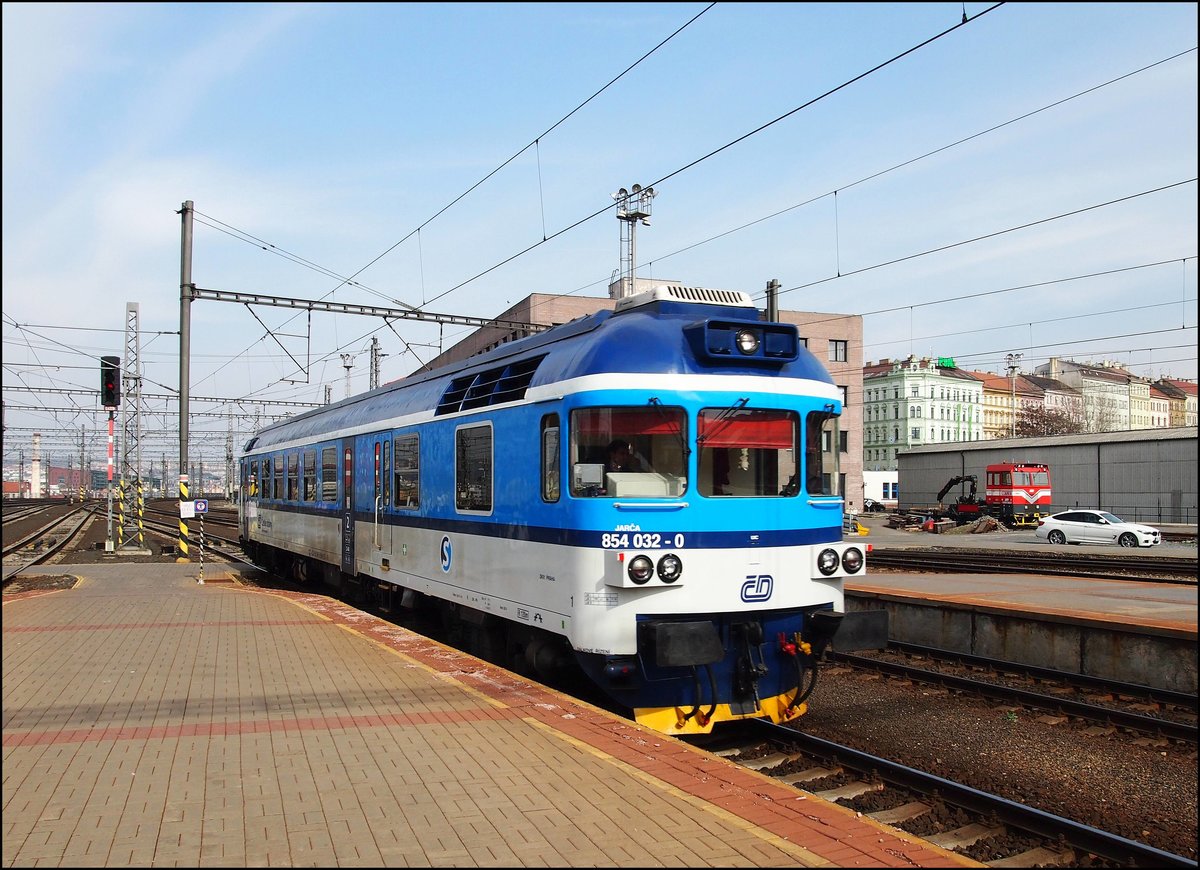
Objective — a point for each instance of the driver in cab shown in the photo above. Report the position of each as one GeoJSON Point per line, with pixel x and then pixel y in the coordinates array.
{"type": "Point", "coordinates": [621, 458]}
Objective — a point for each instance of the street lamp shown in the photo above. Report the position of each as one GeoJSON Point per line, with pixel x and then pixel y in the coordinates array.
{"type": "Point", "coordinates": [1014, 360]}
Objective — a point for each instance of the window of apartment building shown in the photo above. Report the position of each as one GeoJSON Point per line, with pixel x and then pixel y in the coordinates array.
{"type": "Point", "coordinates": [916, 434]}
{"type": "Point", "coordinates": [837, 350]}
{"type": "Point", "coordinates": [843, 442]}
{"type": "Point", "coordinates": [916, 391]}
{"type": "Point", "coordinates": [845, 395]}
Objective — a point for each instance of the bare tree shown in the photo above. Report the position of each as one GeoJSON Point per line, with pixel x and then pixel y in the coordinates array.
{"type": "Point", "coordinates": [1038, 420]}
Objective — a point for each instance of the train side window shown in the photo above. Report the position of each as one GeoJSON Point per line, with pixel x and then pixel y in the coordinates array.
{"type": "Point", "coordinates": [407, 477]}
{"type": "Point", "coordinates": [278, 469]}
{"type": "Point", "coordinates": [310, 475]}
{"type": "Point", "coordinates": [293, 468]}
{"type": "Point", "coordinates": [329, 474]}
{"type": "Point", "coordinates": [820, 460]}
{"type": "Point", "coordinates": [378, 455]}
{"type": "Point", "coordinates": [473, 469]}
{"type": "Point", "coordinates": [551, 460]}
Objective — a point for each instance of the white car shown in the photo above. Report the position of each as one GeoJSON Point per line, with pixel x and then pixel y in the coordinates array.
{"type": "Point", "coordinates": [1095, 527]}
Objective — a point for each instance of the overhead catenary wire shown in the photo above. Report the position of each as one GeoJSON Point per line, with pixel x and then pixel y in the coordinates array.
{"type": "Point", "coordinates": [369, 289]}
{"type": "Point", "coordinates": [842, 187]}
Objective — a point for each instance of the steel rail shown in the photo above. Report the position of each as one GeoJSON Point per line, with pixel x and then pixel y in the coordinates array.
{"type": "Point", "coordinates": [1091, 712]}
{"type": "Point", "coordinates": [1149, 693]}
{"type": "Point", "coordinates": [1165, 569]}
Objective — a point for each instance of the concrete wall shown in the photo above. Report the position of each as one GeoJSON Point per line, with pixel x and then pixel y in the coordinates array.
{"type": "Point", "coordinates": [1160, 659]}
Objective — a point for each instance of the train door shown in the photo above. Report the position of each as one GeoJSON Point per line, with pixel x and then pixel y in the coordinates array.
{"type": "Point", "coordinates": [347, 507]}
{"type": "Point", "coordinates": [381, 534]}
{"type": "Point", "coordinates": [248, 496]}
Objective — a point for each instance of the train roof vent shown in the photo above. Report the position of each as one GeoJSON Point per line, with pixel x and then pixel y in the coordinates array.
{"type": "Point", "coordinates": [494, 386]}
{"type": "Point", "coordinates": [680, 293]}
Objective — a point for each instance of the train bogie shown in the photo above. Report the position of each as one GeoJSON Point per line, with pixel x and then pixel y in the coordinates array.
{"type": "Point", "coordinates": [651, 493]}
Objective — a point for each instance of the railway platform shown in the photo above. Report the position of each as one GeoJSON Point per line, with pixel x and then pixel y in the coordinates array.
{"type": "Point", "coordinates": [150, 720]}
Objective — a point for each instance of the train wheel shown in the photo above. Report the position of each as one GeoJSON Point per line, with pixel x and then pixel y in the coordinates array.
{"type": "Point", "coordinates": [1056, 537]}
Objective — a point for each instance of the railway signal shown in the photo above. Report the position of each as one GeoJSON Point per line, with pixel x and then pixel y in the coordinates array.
{"type": "Point", "coordinates": [110, 381]}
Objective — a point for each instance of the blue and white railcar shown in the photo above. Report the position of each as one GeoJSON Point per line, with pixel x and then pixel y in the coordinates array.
{"type": "Point", "coordinates": [697, 587]}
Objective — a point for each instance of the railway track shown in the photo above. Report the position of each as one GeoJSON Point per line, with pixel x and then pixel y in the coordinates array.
{"type": "Point", "coordinates": [33, 548]}
{"type": "Point", "coordinates": [1123, 707]}
{"type": "Point", "coordinates": [986, 827]}
{"type": "Point", "coordinates": [1158, 569]}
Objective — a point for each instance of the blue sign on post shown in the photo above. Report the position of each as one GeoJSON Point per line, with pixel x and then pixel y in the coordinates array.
{"type": "Point", "coordinates": [201, 505]}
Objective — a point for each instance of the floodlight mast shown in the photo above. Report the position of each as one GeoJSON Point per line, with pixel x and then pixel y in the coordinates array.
{"type": "Point", "coordinates": [632, 206]}
{"type": "Point", "coordinates": [1014, 366]}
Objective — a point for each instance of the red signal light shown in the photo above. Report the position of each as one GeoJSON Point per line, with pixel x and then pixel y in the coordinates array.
{"type": "Point", "coordinates": [110, 381]}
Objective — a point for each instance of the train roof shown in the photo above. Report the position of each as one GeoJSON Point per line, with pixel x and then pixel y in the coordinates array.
{"type": "Point", "coordinates": [654, 332]}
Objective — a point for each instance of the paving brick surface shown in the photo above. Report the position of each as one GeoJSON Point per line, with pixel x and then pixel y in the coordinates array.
{"type": "Point", "coordinates": [150, 720]}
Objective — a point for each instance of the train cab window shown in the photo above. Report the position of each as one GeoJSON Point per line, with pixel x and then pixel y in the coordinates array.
{"type": "Point", "coordinates": [821, 465]}
{"type": "Point", "coordinates": [329, 474]}
{"type": "Point", "coordinates": [407, 478]}
{"type": "Point", "coordinates": [748, 452]}
{"type": "Point", "coordinates": [473, 469]}
{"type": "Point", "coordinates": [551, 474]}
{"type": "Point", "coordinates": [310, 475]}
{"type": "Point", "coordinates": [293, 467]}
{"type": "Point", "coordinates": [656, 438]}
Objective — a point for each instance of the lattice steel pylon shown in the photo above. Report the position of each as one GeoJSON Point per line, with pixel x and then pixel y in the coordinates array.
{"type": "Point", "coordinates": [131, 533]}
{"type": "Point", "coordinates": [230, 477]}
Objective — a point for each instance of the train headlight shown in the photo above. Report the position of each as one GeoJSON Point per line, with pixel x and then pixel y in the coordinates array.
{"type": "Point", "coordinates": [641, 569]}
{"type": "Point", "coordinates": [852, 560]}
{"type": "Point", "coordinates": [669, 568]}
{"type": "Point", "coordinates": [827, 562]}
{"type": "Point", "coordinates": [747, 341]}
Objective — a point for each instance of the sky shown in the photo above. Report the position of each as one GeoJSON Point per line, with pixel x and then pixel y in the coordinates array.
{"type": "Point", "coordinates": [1021, 183]}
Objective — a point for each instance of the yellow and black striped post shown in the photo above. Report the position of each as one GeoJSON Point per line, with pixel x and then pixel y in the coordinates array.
{"type": "Point", "coordinates": [183, 529]}
{"type": "Point", "coordinates": [141, 510]}
{"type": "Point", "coordinates": [121, 513]}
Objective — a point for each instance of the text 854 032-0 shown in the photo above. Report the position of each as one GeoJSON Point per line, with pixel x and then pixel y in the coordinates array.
{"type": "Point", "coordinates": [641, 540]}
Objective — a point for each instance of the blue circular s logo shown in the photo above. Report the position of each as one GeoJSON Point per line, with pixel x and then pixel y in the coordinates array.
{"type": "Point", "coordinates": [447, 554]}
